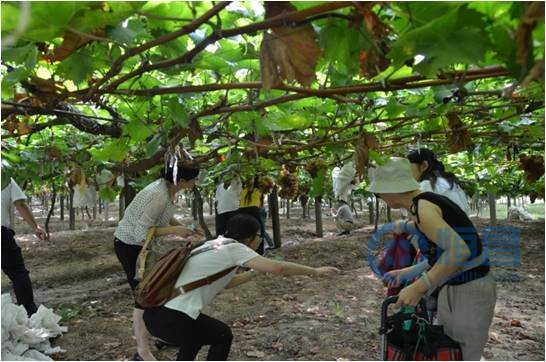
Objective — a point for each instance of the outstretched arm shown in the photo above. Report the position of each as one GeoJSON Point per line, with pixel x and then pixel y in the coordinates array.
{"type": "Point", "coordinates": [285, 268]}
{"type": "Point", "coordinates": [26, 214]}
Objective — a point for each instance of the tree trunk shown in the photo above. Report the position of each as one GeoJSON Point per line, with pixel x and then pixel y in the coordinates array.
{"type": "Point", "coordinates": [211, 208]}
{"type": "Point", "coordinates": [198, 200]}
{"type": "Point", "coordinates": [53, 197]}
{"type": "Point", "coordinates": [72, 212]}
{"type": "Point", "coordinates": [507, 204]}
{"type": "Point", "coordinates": [288, 209]}
{"type": "Point", "coordinates": [492, 209]}
{"type": "Point", "coordinates": [318, 217]}
{"type": "Point", "coordinates": [371, 211]}
{"type": "Point", "coordinates": [389, 219]}
{"type": "Point", "coordinates": [360, 204]}
{"type": "Point", "coordinates": [62, 206]}
{"type": "Point", "coordinates": [354, 208]}
{"type": "Point", "coordinates": [194, 209]}
{"type": "Point", "coordinates": [121, 205]}
{"type": "Point", "coordinates": [275, 218]}
{"type": "Point", "coordinates": [100, 205]}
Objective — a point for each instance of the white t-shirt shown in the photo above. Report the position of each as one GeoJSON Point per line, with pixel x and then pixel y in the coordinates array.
{"type": "Point", "coordinates": [11, 193]}
{"type": "Point", "coordinates": [456, 194]}
{"type": "Point", "coordinates": [152, 206]}
{"type": "Point", "coordinates": [228, 199]}
{"type": "Point", "coordinates": [205, 264]}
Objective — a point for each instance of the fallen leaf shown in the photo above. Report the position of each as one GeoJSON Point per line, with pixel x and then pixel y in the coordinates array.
{"type": "Point", "coordinates": [255, 354]}
{"type": "Point", "coordinates": [515, 323]}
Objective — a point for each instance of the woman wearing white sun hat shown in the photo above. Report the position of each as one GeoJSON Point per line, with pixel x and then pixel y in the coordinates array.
{"type": "Point", "coordinates": [456, 262]}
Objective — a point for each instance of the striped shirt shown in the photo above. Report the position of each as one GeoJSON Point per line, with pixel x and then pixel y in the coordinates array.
{"type": "Point", "coordinates": [151, 207]}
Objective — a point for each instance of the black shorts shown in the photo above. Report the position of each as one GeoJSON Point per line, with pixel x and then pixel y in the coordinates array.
{"type": "Point", "coordinates": [127, 255]}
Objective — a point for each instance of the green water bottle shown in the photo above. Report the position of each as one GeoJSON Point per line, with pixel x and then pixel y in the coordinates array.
{"type": "Point", "coordinates": [408, 309]}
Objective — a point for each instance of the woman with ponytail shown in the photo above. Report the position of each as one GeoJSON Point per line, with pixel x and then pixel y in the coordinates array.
{"type": "Point", "coordinates": [431, 174]}
{"type": "Point", "coordinates": [154, 206]}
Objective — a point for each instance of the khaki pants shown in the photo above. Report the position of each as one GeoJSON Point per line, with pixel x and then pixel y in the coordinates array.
{"type": "Point", "coordinates": [466, 312]}
{"type": "Point", "coordinates": [344, 225]}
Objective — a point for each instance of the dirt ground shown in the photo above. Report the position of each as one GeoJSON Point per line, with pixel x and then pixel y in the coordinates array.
{"type": "Point", "coordinates": [273, 318]}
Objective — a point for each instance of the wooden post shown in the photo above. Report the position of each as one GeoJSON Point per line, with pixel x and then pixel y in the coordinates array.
{"type": "Point", "coordinates": [50, 213]}
{"type": "Point", "coordinates": [389, 219]}
{"type": "Point", "coordinates": [371, 211]}
{"type": "Point", "coordinates": [62, 206]}
{"type": "Point", "coordinates": [318, 216]}
{"type": "Point", "coordinates": [198, 200]}
{"type": "Point", "coordinates": [194, 209]}
{"type": "Point", "coordinates": [492, 209]}
{"type": "Point", "coordinates": [275, 218]}
{"type": "Point", "coordinates": [72, 212]}
{"type": "Point", "coordinates": [121, 205]}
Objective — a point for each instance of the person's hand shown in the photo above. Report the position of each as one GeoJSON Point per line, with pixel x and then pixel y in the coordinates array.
{"type": "Point", "coordinates": [410, 295]}
{"type": "Point", "coordinates": [391, 279]}
{"type": "Point", "coordinates": [326, 270]}
{"type": "Point", "coordinates": [41, 233]}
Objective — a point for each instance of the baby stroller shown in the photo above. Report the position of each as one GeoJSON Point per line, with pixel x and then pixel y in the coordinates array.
{"type": "Point", "coordinates": [410, 335]}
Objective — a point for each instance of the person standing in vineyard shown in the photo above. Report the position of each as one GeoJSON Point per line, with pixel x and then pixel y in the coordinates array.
{"type": "Point", "coordinates": [13, 264]}
{"type": "Point", "coordinates": [227, 202]}
{"type": "Point", "coordinates": [250, 204]}
{"type": "Point", "coordinates": [456, 261]}
{"type": "Point", "coordinates": [153, 206]}
{"type": "Point", "coordinates": [181, 322]}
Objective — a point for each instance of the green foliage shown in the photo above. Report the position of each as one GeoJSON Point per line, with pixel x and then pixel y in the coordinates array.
{"type": "Point", "coordinates": [453, 38]}
{"type": "Point", "coordinates": [450, 36]}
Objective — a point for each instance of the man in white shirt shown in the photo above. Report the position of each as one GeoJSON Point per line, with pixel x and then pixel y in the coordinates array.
{"type": "Point", "coordinates": [227, 203]}
{"type": "Point", "coordinates": [13, 264]}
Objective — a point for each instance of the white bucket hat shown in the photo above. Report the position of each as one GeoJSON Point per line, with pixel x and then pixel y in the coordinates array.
{"type": "Point", "coordinates": [394, 177]}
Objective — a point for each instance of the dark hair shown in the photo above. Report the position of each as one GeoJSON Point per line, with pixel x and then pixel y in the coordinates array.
{"type": "Point", "coordinates": [435, 168]}
{"type": "Point", "coordinates": [183, 173]}
{"type": "Point", "coordinates": [242, 226]}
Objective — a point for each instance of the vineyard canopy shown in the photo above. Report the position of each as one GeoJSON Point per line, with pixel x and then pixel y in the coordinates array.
{"type": "Point", "coordinates": [251, 86]}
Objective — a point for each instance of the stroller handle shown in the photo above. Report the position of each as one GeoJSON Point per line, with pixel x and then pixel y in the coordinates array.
{"type": "Point", "coordinates": [385, 307]}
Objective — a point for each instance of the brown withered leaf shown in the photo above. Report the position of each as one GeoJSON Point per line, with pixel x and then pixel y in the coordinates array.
{"type": "Point", "coordinates": [362, 154]}
{"type": "Point", "coordinates": [71, 43]}
{"type": "Point", "coordinates": [458, 138]}
{"type": "Point", "coordinates": [289, 52]}
{"type": "Point", "coordinates": [23, 128]}
{"type": "Point", "coordinates": [374, 25]}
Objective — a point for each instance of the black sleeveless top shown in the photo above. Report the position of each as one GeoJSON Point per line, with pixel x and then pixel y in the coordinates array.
{"type": "Point", "coordinates": [455, 217]}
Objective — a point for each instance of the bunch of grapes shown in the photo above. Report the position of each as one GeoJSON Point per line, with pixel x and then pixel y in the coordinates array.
{"type": "Point", "coordinates": [266, 184]}
{"type": "Point", "coordinates": [315, 166]}
{"type": "Point", "coordinates": [288, 181]}
{"type": "Point", "coordinates": [532, 165]}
